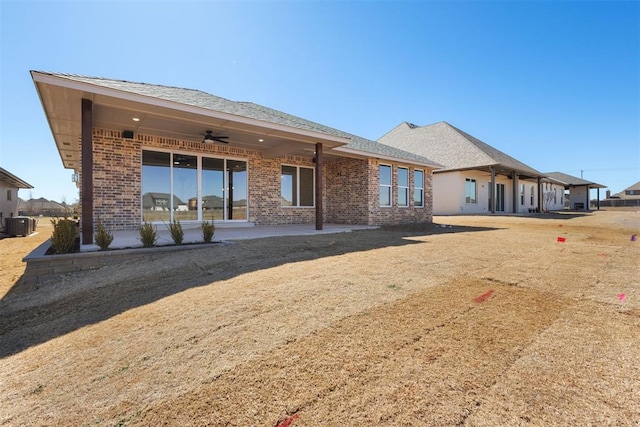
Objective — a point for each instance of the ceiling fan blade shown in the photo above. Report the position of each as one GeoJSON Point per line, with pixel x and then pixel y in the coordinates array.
{"type": "Point", "coordinates": [221, 139]}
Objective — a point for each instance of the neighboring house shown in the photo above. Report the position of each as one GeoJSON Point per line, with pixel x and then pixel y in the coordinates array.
{"type": "Point", "coordinates": [578, 190]}
{"type": "Point", "coordinates": [9, 186]}
{"type": "Point", "coordinates": [44, 207]}
{"type": "Point", "coordinates": [630, 196]}
{"type": "Point", "coordinates": [476, 178]}
{"type": "Point", "coordinates": [126, 140]}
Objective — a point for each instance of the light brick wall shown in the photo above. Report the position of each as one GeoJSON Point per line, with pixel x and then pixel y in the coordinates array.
{"type": "Point", "coordinates": [395, 214]}
{"type": "Point", "coordinates": [350, 185]}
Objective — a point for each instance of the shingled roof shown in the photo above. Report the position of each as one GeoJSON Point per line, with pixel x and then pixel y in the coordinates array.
{"type": "Point", "coordinates": [570, 180]}
{"type": "Point", "coordinates": [251, 110]}
{"type": "Point", "coordinates": [451, 147]}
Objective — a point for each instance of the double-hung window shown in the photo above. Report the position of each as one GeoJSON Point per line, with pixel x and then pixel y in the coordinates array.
{"type": "Point", "coordinates": [297, 186]}
{"type": "Point", "coordinates": [418, 188]}
{"type": "Point", "coordinates": [470, 190]}
{"type": "Point", "coordinates": [403, 187]}
{"type": "Point", "coordinates": [385, 184]}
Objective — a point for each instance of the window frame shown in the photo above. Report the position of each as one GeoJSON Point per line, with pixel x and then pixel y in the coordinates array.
{"type": "Point", "coordinates": [298, 186]}
{"type": "Point", "coordinates": [467, 199]}
{"type": "Point", "coordinates": [418, 188]}
{"type": "Point", "coordinates": [402, 188]}
{"type": "Point", "coordinates": [389, 186]}
{"type": "Point", "coordinates": [9, 196]}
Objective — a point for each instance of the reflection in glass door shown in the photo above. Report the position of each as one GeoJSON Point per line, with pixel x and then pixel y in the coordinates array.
{"type": "Point", "coordinates": [224, 189]}
{"type": "Point", "coordinates": [499, 197]}
{"type": "Point", "coordinates": [185, 187]}
{"type": "Point", "coordinates": [236, 190]}
{"type": "Point", "coordinates": [212, 189]}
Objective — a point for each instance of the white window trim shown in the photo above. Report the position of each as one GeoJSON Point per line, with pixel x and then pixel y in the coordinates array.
{"type": "Point", "coordinates": [475, 186]}
{"type": "Point", "coordinates": [403, 187]}
{"type": "Point", "coordinates": [390, 186]}
{"type": "Point", "coordinates": [420, 188]}
{"type": "Point", "coordinates": [298, 167]}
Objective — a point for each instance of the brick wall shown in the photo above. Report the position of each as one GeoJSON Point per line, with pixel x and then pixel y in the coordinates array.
{"type": "Point", "coordinates": [350, 198]}
{"type": "Point", "coordinates": [395, 214]}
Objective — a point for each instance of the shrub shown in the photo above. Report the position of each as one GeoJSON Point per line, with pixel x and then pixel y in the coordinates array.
{"type": "Point", "coordinates": [208, 229]}
{"type": "Point", "coordinates": [103, 237]}
{"type": "Point", "coordinates": [148, 235]}
{"type": "Point", "coordinates": [177, 234]}
{"type": "Point", "coordinates": [63, 238]}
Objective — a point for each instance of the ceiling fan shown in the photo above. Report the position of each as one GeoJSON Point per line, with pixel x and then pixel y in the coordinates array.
{"type": "Point", "coordinates": [210, 137]}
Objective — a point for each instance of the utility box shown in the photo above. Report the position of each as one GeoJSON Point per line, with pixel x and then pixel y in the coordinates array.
{"type": "Point", "coordinates": [18, 226]}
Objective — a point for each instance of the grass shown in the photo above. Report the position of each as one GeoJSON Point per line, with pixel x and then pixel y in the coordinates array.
{"type": "Point", "coordinates": [489, 322]}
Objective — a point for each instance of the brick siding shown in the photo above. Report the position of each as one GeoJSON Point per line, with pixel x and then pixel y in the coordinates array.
{"type": "Point", "coordinates": [350, 186]}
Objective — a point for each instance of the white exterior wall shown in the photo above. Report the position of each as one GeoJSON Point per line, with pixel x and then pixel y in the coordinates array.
{"type": "Point", "coordinates": [8, 208]}
{"type": "Point", "coordinates": [449, 194]}
{"type": "Point", "coordinates": [529, 203]}
{"type": "Point", "coordinates": [557, 203]}
{"type": "Point", "coordinates": [579, 195]}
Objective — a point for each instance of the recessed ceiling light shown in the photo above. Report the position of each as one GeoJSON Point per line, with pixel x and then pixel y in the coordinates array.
{"type": "Point", "coordinates": [261, 140]}
{"type": "Point", "coordinates": [136, 119]}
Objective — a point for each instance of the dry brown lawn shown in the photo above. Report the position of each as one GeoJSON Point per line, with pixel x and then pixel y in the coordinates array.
{"type": "Point", "coordinates": [489, 322]}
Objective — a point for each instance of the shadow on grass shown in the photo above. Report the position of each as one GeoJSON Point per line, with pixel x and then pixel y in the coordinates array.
{"type": "Point", "coordinates": [31, 314]}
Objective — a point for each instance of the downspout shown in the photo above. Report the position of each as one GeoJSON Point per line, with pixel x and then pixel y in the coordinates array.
{"type": "Point", "coordinates": [87, 172]}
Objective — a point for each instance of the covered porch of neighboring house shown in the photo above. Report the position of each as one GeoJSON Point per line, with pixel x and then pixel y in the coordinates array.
{"type": "Point", "coordinates": [525, 192]}
{"type": "Point", "coordinates": [579, 190]}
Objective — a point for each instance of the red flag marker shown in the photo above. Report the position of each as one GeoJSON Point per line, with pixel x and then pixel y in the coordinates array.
{"type": "Point", "coordinates": [483, 297]}
{"type": "Point", "coordinates": [288, 422]}
{"type": "Point", "coordinates": [562, 239]}
{"type": "Point", "coordinates": [622, 296]}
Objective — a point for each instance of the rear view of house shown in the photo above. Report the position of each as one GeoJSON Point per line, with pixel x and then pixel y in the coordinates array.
{"type": "Point", "coordinates": [156, 153]}
{"type": "Point", "coordinates": [476, 178]}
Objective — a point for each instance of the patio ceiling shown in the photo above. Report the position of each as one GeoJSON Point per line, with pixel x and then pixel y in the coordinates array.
{"type": "Point", "coordinates": [116, 110]}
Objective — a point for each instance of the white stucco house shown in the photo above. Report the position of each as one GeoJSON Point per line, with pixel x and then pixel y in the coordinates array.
{"type": "Point", "coordinates": [477, 178]}
{"type": "Point", "coordinates": [578, 190]}
{"type": "Point", "coordinates": [9, 186]}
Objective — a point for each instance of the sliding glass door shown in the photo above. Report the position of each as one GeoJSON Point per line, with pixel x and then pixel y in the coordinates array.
{"type": "Point", "coordinates": [192, 188]}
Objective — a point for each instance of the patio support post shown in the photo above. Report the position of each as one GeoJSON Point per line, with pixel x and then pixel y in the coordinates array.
{"type": "Point", "coordinates": [539, 194]}
{"type": "Point", "coordinates": [319, 161]}
{"type": "Point", "coordinates": [598, 198]}
{"type": "Point", "coordinates": [87, 172]}
{"type": "Point", "coordinates": [492, 190]}
{"type": "Point", "coordinates": [516, 199]}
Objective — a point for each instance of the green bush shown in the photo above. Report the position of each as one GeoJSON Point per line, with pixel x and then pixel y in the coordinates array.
{"type": "Point", "coordinates": [208, 229]}
{"type": "Point", "coordinates": [103, 237]}
{"type": "Point", "coordinates": [177, 234]}
{"type": "Point", "coordinates": [148, 235]}
{"type": "Point", "coordinates": [63, 238]}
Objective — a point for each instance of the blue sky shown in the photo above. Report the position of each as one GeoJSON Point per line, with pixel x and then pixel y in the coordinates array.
{"type": "Point", "coordinates": [553, 84]}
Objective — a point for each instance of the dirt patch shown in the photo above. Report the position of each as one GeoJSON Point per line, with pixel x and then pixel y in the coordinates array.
{"type": "Point", "coordinates": [491, 322]}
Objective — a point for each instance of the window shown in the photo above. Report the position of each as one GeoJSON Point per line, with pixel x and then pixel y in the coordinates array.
{"type": "Point", "coordinates": [297, 186]}
{"type": "Point", "coordinates": [403, 187]}
{"type": "Point", "coordinates": [418, 188]}
{"type": "Point", "coordinates": [192, 188]}
{"type": "Point", "coordinates": [8, 194]}
{"type": "Point", "coordinates": [532, 195]}
{"type": "Point", "coordinates": [522, 194]}
{"type": "Point", "coordinates": [385, 185]}
{"type": "Point", "coordinates": [555, 199]}
{"type": "Point", "coordinates": [470, 190]}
